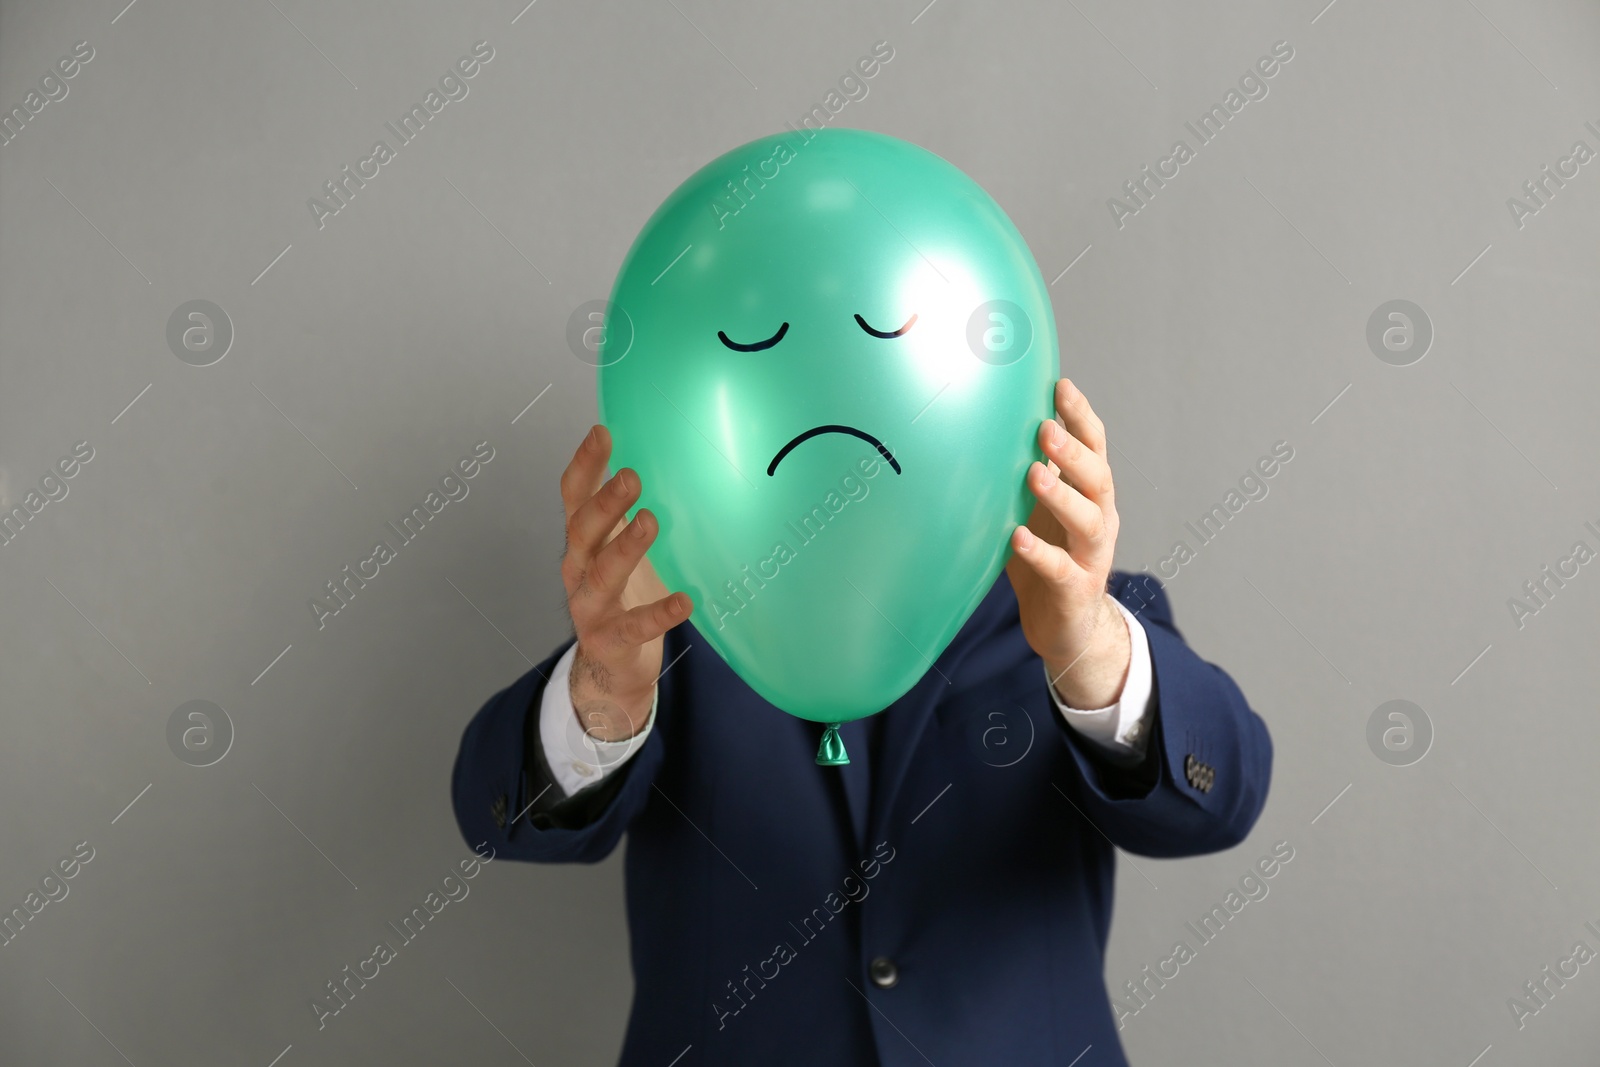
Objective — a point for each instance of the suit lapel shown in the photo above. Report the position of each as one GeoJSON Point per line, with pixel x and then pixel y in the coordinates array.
{"type": "Point", "coordinates": [906, 719]}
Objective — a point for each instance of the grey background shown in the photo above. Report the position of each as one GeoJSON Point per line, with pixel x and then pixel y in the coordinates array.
{"type": "Point", "coordinates": [1226, 316]}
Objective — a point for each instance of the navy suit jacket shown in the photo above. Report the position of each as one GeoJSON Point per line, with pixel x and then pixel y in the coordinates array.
{"type": "Point", "coordinates": [947, 900]}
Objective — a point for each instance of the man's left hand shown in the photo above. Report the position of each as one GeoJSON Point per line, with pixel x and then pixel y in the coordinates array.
{"type": "Point", "coordinates": [1062, 558]}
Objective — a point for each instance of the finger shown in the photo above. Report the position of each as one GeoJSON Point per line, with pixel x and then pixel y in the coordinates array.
{"type": "Point", "coordinates": [586, 470]}
{"type": "Point", "coordinates": [1082, 520]}
{"type": "Point", "coordinates": [1084, 469]}
{"type": "Point", "coordinates": [1078, 417]}
{"type": "Point", "coordinates": [643, 624]}
{"type": "Point", "coordinates": [614, 564]}
{"type": "Point", "coordinates": [1052, 563]}
{"type": "Point", "coordinates": [598, 517]}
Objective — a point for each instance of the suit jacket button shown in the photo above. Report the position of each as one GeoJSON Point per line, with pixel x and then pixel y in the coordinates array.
{"type": "Point", "coordinates": [883, 972]}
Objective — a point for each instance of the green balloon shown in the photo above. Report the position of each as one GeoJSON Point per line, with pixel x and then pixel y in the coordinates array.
{"type": "Point", "coordinates": [827, 356]}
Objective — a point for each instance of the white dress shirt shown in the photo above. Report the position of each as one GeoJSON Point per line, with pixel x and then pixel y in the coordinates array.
{"type": "Point", "coordinates": [1119, 731]}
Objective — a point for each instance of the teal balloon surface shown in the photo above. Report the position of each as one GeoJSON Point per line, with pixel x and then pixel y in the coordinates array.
{"type": "Point", "coordinates": [827, 358]}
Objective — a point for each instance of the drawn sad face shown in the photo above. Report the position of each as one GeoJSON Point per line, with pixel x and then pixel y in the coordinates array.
{"type": "Point", "coordinates": [827, 361]}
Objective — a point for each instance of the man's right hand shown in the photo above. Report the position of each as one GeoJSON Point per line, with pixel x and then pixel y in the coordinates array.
{"type": "Point", "coordinates": [619, 607]}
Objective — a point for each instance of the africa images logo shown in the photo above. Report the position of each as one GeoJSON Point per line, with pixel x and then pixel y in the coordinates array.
{"type": "Point", "coordinates": [853, 88]}
{"type": "Point", "coordinates": [783, 953]}
{"type": "Point", "coordinates": [1141, 188]}
{"type": "Point", "coordinates": [452, 86]}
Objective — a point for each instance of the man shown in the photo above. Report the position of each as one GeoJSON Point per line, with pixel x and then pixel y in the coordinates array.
{"type": "Point", "coordinates": [944, 900]}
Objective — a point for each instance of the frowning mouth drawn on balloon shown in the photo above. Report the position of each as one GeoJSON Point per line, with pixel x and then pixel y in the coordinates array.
{"type": "Point", "coordinates": [759, 346]}
{"type": "Point", "coordinates": [831, 428]}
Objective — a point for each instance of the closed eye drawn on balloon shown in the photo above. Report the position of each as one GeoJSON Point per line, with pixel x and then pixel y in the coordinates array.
{"type": "Point", "coordinates": [893, 333]}
{"type": "Point", "coordinates": [757, 346]}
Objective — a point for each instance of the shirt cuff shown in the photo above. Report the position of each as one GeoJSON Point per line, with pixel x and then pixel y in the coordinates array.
{"type": "Point", "coordinates": [576, 759]}
{"type": "Point", "coordinates": [1120, 731]}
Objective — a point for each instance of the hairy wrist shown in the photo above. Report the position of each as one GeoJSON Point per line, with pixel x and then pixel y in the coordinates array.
{"type": "Point", "coordinates": [604, 713]}
{"type": "Point", "coordinates": [1094, 679]}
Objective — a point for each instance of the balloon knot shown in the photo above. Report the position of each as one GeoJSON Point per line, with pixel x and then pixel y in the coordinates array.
{"type": "Point", "coordinates": [831, 753]}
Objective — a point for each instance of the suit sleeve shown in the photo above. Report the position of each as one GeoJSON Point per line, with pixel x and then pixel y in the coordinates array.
{"type": "Point", "coordinates": [504, 792]}
{"type": "Point", "coordinates": [1208, 764]}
